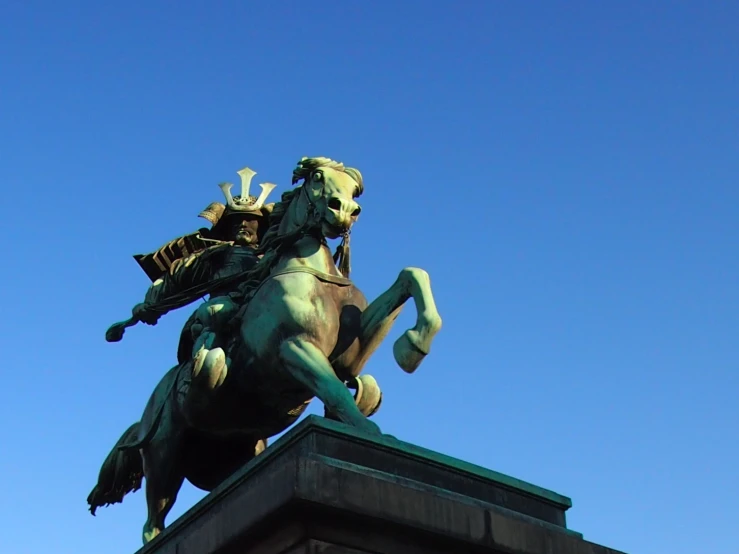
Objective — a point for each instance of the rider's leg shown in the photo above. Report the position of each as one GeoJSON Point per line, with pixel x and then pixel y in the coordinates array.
{"type": "Point", "coordinates": [210, 364]}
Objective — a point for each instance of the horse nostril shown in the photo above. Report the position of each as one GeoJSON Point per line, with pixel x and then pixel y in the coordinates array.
{"type": "Point", "coordinates": [357, 211]}
{"type": "Point", "coordinates": [334, 204]}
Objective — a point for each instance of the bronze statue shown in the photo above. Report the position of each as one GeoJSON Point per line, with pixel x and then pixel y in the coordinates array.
{"type": "Point", "coordinates": [284, 328]}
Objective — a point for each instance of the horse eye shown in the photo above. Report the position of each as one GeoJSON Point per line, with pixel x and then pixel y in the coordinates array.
{"type": "Point", "coordinates": [318, 176]}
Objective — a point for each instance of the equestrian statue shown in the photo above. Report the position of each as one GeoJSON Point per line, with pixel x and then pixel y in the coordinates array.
{"type": "Point", "coordinates": [283, 324]}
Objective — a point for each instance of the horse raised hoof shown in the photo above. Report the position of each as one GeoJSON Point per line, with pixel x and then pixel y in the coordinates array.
{"type": "Point", "coordinates": [408, 351]}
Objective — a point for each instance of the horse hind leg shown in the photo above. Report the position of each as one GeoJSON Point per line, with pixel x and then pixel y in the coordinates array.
{"type": "Point", "coordinates": [164, 477]}
{"type": "Point", "coordinates": [310, 367]}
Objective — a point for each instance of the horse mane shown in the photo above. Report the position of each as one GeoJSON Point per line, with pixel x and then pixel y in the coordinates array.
{"type": "Point", "coordinates": [274, 244]}
{"type": "Point", "coordinates": [307, 166]}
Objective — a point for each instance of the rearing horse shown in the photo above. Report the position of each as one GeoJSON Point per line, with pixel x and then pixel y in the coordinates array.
{"type": "Point", "coordinates": [305, 331]}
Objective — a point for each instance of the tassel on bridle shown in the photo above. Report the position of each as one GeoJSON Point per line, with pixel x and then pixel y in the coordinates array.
{"type": "Point", "coordinates": [343, 257]}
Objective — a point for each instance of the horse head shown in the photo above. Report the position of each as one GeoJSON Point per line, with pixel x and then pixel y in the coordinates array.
{"type": "Point", "coordinates": [331, 191]}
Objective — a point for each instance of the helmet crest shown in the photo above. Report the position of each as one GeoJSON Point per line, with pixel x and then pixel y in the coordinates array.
{"type": "Point", "coordinates": [244, 202]}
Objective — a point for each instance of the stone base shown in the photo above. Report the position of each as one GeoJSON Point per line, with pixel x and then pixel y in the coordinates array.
{"type": "Point", "coordinates": [325, 488]}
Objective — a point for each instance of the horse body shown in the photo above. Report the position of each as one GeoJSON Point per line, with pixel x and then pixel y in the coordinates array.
{"type": "Point", "coordinates": [304, 333]}
{"type": "Point", "coordinates": [319, 309]}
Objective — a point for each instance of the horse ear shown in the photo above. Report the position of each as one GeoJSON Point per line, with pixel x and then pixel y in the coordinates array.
{"type": "Point", "coordinates": [213, 212]}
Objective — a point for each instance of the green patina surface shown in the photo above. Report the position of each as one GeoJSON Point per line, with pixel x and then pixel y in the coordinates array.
{"type": "Point", "coordinates": [407, 449]}
{"type": "Point", "coordinates": [283, 324]}
{"type": "Point", "coordinates": [432, 457]}
{"type": "Point", "coordinates": [313, 423]}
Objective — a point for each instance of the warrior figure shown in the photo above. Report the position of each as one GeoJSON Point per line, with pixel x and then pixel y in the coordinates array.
{"type": "Point", "coordinates": [206, 263]}
{"type": "Point", "coordinates": [293, 321]}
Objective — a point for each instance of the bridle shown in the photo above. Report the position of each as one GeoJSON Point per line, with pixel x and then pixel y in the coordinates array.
{"type": "Point", "coordinates": [342, 256]}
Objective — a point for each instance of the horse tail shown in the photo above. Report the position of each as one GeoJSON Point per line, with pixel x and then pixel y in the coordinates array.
{"type": "Point", "coordinates": [126, 445]}
{"type": "Point", "coordinates": [120, 473]}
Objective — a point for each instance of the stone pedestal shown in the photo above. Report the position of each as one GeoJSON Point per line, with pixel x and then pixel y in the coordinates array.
{"type": "Point", "coordinates": [324, 488]}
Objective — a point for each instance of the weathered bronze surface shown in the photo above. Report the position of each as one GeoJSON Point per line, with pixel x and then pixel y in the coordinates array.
{"type": "Point", "coordinates": [283, 324]}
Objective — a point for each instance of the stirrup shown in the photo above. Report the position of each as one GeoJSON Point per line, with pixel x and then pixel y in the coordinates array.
{"type": "Point", "coordinates": [212, 362]}
{"type": "Point", "coordinates": [197, 362]}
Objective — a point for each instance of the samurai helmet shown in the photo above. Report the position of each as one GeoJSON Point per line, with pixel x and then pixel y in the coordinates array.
{"type": "Point", "coordinates": [241, 204]}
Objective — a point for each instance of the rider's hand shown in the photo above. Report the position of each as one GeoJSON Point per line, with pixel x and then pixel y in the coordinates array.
{"type": "Point", "coordinates": [141, 312]}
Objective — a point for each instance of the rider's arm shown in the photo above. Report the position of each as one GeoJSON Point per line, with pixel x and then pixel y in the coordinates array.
{"type": "Point", "coordinates": [171, 291]}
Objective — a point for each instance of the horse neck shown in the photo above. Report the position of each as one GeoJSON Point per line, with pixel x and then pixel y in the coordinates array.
{"type": "Point", "coordinates": [308, 251]}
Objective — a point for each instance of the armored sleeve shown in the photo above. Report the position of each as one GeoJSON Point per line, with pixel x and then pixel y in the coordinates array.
{"type": "Point", "coordinates": [186, 280]}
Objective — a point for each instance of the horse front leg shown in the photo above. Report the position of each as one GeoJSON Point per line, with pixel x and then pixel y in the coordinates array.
{"type": "Point", "coordinates": [378, 318]}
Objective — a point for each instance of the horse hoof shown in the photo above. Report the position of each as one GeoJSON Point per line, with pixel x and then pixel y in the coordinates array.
{"type": "Point", "coordinates": [369, 395]}
{"type": "Point", "coordinates": [150, 534]}
{"type": "Point", "coordinates": [407, 353]}
{"type": "Point", "coordinates": [370, 427]}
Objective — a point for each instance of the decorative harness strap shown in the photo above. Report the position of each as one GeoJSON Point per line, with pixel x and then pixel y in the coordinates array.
{"type": "Point", "coordinates": [326, 277]}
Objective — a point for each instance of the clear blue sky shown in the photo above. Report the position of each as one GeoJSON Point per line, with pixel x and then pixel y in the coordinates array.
{"type": "Point", "coordinates": [567, 172]}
